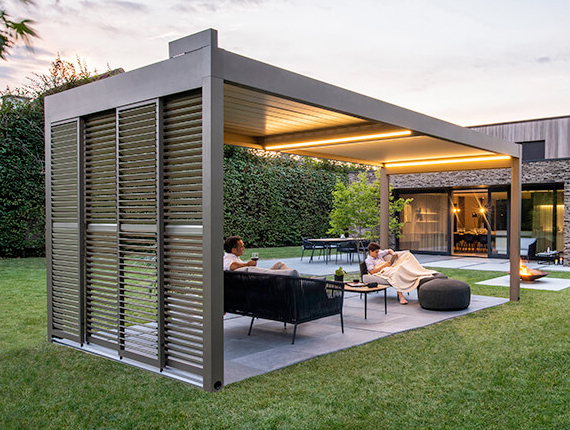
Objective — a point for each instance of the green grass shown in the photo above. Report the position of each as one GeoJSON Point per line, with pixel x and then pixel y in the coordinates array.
{"type": "Point", "coordinates": [274, 253]}
{"type": "Point", "coordinates": [500, 368]}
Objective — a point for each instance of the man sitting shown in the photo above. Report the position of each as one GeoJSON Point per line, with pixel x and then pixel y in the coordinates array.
{"type": "Point", "coordinates": [234, 248]}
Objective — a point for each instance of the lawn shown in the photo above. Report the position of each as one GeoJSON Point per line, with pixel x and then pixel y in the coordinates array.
{"type": "Point", "coordinates": [500, 368]}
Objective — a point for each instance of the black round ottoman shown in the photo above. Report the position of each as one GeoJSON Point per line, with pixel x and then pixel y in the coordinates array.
{"type": "Point", "coordinates": [444, 295]}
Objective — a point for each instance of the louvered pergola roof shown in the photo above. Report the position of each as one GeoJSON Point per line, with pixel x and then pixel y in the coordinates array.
{"type": "Point", "coordinates": [265, 121]}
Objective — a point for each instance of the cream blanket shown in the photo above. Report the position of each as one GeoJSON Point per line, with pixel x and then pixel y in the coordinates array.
{"type": "Point", "coordinates": [406, 272]}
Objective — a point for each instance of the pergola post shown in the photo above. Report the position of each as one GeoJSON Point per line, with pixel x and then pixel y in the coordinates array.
{"type": "Point", "coordinates": [213, 206]}
{"type": "Point", "coordinates": [384, 208]}
{"type": "Point", "coordinates": [515, 226]}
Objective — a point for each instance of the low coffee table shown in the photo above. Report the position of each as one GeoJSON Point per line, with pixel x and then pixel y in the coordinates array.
{"type": "Point", "coordinates": [363, 288]}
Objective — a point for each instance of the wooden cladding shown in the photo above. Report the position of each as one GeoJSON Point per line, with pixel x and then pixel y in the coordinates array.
{"type": "Point", "coordinates": [131, 227]}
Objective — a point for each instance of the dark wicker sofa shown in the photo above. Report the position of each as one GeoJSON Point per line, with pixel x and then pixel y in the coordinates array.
{"type": "Point", "coordinates": [289, 299]}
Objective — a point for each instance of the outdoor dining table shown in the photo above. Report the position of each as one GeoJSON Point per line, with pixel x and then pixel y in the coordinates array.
{"type": "Point", "coordinates": [330, 242]}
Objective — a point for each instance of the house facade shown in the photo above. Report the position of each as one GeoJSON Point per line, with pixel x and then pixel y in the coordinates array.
{"type": "Point", "coordinates": [466, 213]}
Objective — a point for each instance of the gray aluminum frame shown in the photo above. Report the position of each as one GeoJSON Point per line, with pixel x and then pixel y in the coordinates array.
{"type": "Point", "coordinates": [197, 62]}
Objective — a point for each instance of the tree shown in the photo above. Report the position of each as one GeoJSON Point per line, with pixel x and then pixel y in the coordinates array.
{"type": "Point", "coordinates": [13, 32]}
{"type": "Point", "coordinates": [356, 209]}
{"type": "Point", "coordinates": [22, 158]}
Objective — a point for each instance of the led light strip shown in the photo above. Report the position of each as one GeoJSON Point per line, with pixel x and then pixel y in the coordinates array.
{"type": "Point", "coordinates": [449, 161]}
{"type": "Point", "coordinates": [339, 140]}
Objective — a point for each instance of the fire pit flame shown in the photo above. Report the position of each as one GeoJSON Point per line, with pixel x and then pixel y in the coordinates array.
{"type": "Point", "coordinates": [530, 274]}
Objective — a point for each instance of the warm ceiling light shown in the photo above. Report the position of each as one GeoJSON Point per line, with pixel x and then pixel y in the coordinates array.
{"type": "Point", "coordinates": [449, 161]}
{"type": "Point", "coordinates": [339, 140]}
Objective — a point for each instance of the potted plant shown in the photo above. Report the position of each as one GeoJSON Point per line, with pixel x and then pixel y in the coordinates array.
{"type": "Point", "coordinates": [339, 274]}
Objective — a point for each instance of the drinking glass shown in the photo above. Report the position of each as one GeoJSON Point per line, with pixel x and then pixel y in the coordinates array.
{"type": "Point", "coordinates": [255, 256]}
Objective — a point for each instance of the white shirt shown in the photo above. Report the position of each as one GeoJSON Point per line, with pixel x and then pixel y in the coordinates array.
{"type": "Point", "coordinates": [371, 262]}
{"type": "Point", "coordinates": [229, 259]}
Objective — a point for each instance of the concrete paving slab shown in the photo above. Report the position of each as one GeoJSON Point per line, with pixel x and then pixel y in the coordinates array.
{"type": "Point", "coordinates": [274, 359]}
{"type": "Point", "coordinates": [234, 372]}
{"type": "Point", "coordinates": [271, 347]}
{"type": "Point", "coordinates": [548, 284]}
{"type": "Point", "coordinates": [456, 263]}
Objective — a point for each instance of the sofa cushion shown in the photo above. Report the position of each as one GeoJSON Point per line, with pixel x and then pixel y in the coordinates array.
{"type": "Point", "coordinates": [369, 279]}
{"type": "Point", "coordinates": [283, 272]}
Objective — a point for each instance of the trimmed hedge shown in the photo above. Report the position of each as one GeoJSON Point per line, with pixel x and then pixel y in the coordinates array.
{"type": "Point", "coordinates": [22, 206]}
{"type": "Point", "coordinates": [269, 199]}
{"type": "Point", "coordinates": [275, 199]}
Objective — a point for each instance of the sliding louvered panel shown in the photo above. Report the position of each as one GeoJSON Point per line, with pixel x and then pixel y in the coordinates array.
{"type": "Point", "coordinates": [101, 235]}
{"type": "Point", "coordinates": [183, 251]}
{"type": "Point", "coordinates": [65, 300]}
{"type": "Point", "coordinates": [137, 236]}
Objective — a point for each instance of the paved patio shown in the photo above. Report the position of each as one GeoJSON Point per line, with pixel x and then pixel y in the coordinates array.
{"type": "Point", "coordinates": [269, 347]}
{"type": "Point", "coordinates": [319, 268]}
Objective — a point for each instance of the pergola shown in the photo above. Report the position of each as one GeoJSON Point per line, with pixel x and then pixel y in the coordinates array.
{"type": "Point", "coordinates": [134, 192]}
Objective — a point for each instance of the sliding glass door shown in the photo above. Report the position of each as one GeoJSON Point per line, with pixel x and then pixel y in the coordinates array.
{"type": "Point", "coordinates": [470, 222]}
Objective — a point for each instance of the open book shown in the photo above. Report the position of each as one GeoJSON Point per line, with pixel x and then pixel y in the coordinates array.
{"type": "Point", "coordinates": [393, 259]}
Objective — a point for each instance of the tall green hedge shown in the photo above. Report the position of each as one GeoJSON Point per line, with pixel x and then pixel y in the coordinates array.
{"type": "Point", "coordinates": [269, 199]}
{"type": "Point", "coordinates": [275, 200]}
{"type": "Point", "coordinates": [22, 177]}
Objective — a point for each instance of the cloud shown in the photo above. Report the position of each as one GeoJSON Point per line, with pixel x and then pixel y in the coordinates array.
{"type": "Point", "coordinates": [108, 28]}
{"type": "Point", "coordinates": [213, 6]}
{"type": "Point", "coordinates": [184, 8]}
{"type": "Point", "coordinates": [543, 60]}
{"type": "Point", "coordinates": [129, 5]}
{"type": "Point", "coordinates": [7, 73]}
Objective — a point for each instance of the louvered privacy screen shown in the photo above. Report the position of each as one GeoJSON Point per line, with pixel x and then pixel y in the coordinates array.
{"type": "Point", "coordinates": [142, 247]}
{"type": "Point", "coordinates": [65, 300]}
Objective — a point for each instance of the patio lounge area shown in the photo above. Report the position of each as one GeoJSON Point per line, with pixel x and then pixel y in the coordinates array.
{"type": "Point", "coordinates": [269, 347]}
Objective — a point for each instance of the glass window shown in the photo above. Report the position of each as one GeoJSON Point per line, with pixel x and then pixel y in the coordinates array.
{"type": "Point", "coordinates": [539, 218]}
{"type": "Point", "coordinates": [425, 223]}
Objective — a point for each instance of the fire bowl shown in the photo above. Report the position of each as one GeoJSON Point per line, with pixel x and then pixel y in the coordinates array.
{"type": "Point", "coordinates": [534, 276]}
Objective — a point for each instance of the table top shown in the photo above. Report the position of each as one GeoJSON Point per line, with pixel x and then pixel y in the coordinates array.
{"type": "Point", "coordinates": [363, 288]}
{"type": "Point", "coordinates": [337, 239]}
{"type": "Point", "coordinates": [547, 253]}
